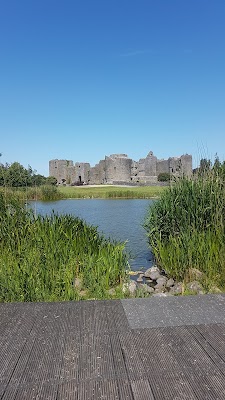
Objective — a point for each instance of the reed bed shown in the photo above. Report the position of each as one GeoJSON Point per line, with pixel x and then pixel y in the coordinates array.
{"type": "Point", "coordinates": [52, 193]}
{"type": "Point", "coordinates": [44, 193]}
{"type": "Point", "coordinates": [112, 192]}
{"type": "Point", "coordinates": [186, 228]}
{"type": "Point", "coordinates": [54, 258]}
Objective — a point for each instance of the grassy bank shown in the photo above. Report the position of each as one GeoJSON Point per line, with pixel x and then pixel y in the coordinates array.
{"type": "Point", "coordinates": [48, 193]}
{"type": "Point", "coordinates": [44, 193]}
{"type": "Point", "coordinates": [111, 192]}
{"type": "Point", "coordinates": [54, 258]}
{"type": "Point", "coordinates": [186, 228]}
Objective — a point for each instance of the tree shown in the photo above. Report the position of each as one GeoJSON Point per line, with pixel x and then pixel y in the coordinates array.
{"type": "Point", "coordinates": [205, 166]}
{"type": "Point", "coordinates": [17, 176]}
{"type": "Point", "coordinates": [51, 180]}
{"type": "Point", "coordinates": [217, 164]}
{"type": "Point", "coordinates": [38, 180]}
{"type": "Point", "coordinates": [164, 177]}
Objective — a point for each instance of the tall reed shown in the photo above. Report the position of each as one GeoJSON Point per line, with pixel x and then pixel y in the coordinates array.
{"type": "Point", "coordinates": [52, 193]}
{"type": "Point", "coordinates": [186, 227]}
{"type": "Point", "coordinates": [41, 258]}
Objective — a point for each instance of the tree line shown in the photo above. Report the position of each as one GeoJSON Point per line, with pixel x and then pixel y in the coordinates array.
{"type": "Point", "coordinates": [16, 175]}
{"type": "Point", "coordinates": [206, 165]}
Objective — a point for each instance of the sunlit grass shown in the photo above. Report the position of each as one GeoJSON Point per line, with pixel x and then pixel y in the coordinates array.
{"type": "Point", "coordinates": [106, 191]}
{"type": "Point", "coordinates": [48, 193]}
{"type": "Point", "coordinates": [186, 228]}
{"type": "Point", "coordinates": [41, 258]}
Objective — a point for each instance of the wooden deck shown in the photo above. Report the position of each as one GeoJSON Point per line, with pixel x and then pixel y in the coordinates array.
{"type": "Point", "coordinates": [138, 349]}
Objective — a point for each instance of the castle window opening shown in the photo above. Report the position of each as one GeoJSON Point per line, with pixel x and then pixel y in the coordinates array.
{"type": "Point", "coordinates": [80, 178]}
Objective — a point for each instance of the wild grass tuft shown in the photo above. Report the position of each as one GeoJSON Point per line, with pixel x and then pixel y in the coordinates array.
{"type": "Point", "coordinates": [41, 258]}
{"type": "Point", "coordinates": [186, 227]}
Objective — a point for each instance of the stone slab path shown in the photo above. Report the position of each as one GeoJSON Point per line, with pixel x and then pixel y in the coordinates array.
{"type": "Point", "coordinates": [136, 349]}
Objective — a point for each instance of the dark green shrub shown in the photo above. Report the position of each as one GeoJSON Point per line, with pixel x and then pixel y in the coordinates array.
{"type": "Point", "coordinates": [164, 177]}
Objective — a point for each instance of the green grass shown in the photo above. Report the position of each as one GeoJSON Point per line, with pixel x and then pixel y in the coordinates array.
{"type": "Point", "coordinates": [111, 192]}
{"type": "Point", "coordinates": [186, 228]}
{"type": "Point", "coordinates": [44, 193]}
{"type": "Point", "coordinates": [41, 258]}
{"type": "Point", "coordinates": [51, 193]}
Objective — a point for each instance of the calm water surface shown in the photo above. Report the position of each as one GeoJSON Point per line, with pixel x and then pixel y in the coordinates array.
{"type": "Point", "coordinates": [117, 219]}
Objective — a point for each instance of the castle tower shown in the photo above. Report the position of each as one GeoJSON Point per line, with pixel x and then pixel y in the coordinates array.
{"type": "Point", "coordinates": [59, 169]}
{"type": "Point", "coordinates": [118, 168]}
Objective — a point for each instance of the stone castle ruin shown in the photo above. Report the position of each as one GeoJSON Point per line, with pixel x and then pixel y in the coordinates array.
{"type": "Point", "coordinates": [119, 169]}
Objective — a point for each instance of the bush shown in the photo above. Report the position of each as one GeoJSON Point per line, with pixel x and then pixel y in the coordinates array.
{"type": "Point", "coordinates": [50, 193]}
{"type": "Point", "coordinates": [164, 177]}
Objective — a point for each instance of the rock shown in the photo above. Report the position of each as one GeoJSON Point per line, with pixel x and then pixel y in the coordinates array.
{"type": "Point", "coordinates": [215, 289]}
{"type": "Point", "coordinates": [135, 272]}
{"type": "Point", "coordinates": [155, 275]}
{"type": "Point", "coordinates": [147, 289]}
{"type": "Point", "coordinates": [140, 278]}
{"type": "Point", "coordinates": [159, 289]}
{"type": "Point", "coordinates": [78, 283]}
{"type": "Point", "coordinates": [111, 292]}
{"type": "Point", "coordinates": [195, 274]}
{"type": "Point", "coordinates": [148, 280]}
{"type": "Point", "coordinates": [170, 283]}
{"type": "Point", "coordinates": [177, 288]}
{"type": "Point", "coordinates": [150, 289]}
{"type": "Point", "coordinates": [195, 287]}
{"type": "Point", "coordinates": [155, 269]}
{"type": "Point", "coordinates": [83, 293]}
{"type": "Point", "coordinates": [130, 287]}
{"type": "Point", "coordinates": [150, 271]}
{"type": "Point", "coordinates": [162, 280]}
{"type": "Point", "coordinates": [147, 273]}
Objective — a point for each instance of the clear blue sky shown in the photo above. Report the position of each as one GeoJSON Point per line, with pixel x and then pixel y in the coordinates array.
{"type": "Point", "coordinates": [81, 79]}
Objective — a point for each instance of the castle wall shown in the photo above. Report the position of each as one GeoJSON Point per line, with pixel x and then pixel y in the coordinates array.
{"type": "Point", "coordinates": [71, 175]}
{"type": "Point", "coordinates": [134, 172]}
{"type": "Point", "coordinates": [186, 161]}
{"type": "Point", "coordinates": [150, 164]}
{"type": "Point", "coordinates": [98, 174]}
{"type": "Point", "coordinates": [82, 172]}
{"type": "Point", "coordinates": [162, 166]}
{"type": "Point", "coordinates": [59, 169]}
{"type": "Point", "coordinates": [141, 167]}
{"type": "Point", "coordinates": [118, 168]}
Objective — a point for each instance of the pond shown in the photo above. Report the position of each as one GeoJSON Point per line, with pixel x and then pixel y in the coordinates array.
{"type": "Point", "coordinates": [117, 219]}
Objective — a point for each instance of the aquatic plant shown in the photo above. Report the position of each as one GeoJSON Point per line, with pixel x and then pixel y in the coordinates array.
{"type": "Point", "coordinates": [112, 192]}
{"type": "Point", "coordinates": [186, 227]}
{"type": "Point", "coordinates": [43, 258]}
{"type": "Point", "coordinates": [52, 193]}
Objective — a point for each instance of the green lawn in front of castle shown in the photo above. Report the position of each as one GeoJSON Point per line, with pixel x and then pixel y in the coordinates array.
{"type": "Point", "coordinates": [111, 192]}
